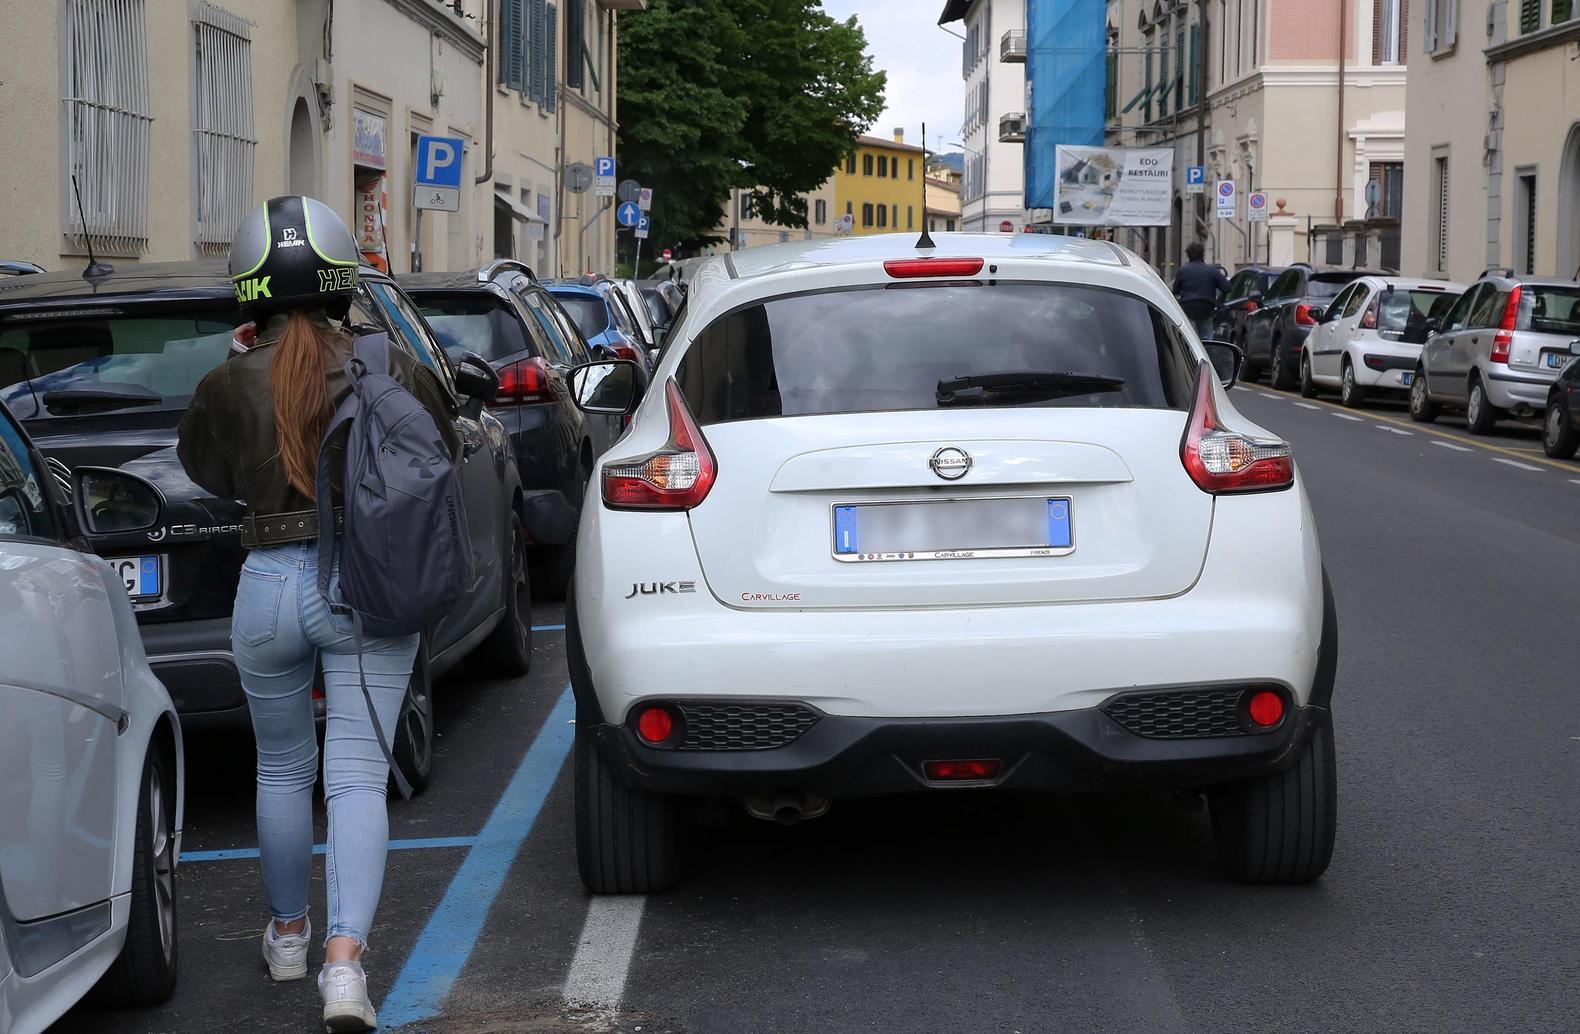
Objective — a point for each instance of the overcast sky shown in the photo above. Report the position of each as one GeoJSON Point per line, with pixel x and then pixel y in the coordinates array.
{"type": "Point", "coordinates": [923, 63]}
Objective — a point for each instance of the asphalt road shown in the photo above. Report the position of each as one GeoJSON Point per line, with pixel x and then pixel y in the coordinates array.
{"type": "Point", "coordinates": [1453, 901]}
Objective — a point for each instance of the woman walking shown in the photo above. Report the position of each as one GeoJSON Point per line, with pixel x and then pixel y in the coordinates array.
{"type": "Point", "coordinates": [253, 432]}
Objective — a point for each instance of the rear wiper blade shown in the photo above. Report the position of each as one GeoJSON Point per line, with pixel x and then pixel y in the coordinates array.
{"type": "Point", "coordinates": [100, 398]}
{"type": "Point", "coordinates": [1021, 385]}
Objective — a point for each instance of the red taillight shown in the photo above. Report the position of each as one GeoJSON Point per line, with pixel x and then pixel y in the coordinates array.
{"type": "Point", "coordinates": [902, 269]}
{"type": "Point", "coordinates": [1265, 708]}
{"type": "Point", "coordinates": [628, 352]}
{"type": "Point", "coordinates": [676, 477]}
{"type": "Point", "coordinates": [525, 383]}
{"type": "Point", "coordinates": [1303, 315]}
{"type": "Point", "coordinates": [1219, 459]}
{"type": "Point", "coordinates": [1503, 340]}
{"type": "Point", "coordinates": [1250, 306]}
{"type": "Point", "coordinates": [962, 771]}
{"type": "Point", "coordinates": [655, 725]}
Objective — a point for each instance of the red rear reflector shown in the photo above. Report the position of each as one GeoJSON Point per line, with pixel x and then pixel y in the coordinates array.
{"type": "Point", "coordinates": [655, 725]}
{"type": "Point", "coordinates": [1266, 708]}
{"type": "Point", "coordinates": [904, 268]}
{"type": "Point", "coordinates": [1219, 459]}
{"type": "Point", "coordinates": [963, 771]}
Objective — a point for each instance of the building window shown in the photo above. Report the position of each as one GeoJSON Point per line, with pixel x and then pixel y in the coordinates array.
{"type": "Point", "coordinates": [1179, 70]}
{"type": "Point", "coordinates": [850, 163]}
{"type": "Point", "coordinates": [1563, 10]}
{"type": "Point", "coordinates": [820, 211]}
{"type": "Point", "coordinates": [575, 44]}
{"type": "Point", "coordinates": [849, 208]}
{"type": "Point", "coordinates": [513, 44]}
{"type": "Point", "coordinates": [883, 165]}
{"type": "Point", "coordinates": [106, 125]}
{"type": "Point", "coordinates": [1239, 37]}
{"type": "Point", "coordinates": [1530, 15]}
{"type": "Point", "coordinates": [1223, 41]}
{"type": "Point", "coordinates": [1195, 64]}
{"type": "Point", "coordinates": [222, 125]}
{"type": "Point", "coordinates": [910, 168]}
{"type": "Point", "coordinates": [949, 224]}
{"type": "Point", "coordinates": [1525, 222]}
{"type": "Point", "coordinates": [910, 217]}
{"type": "Point", "coordinates": [1442, 25]}
{"type": "Point", "coordinates": [746, 207]}
{"type": "Point", "coordinates": [866, 214]}
{"type": "Point", "coordinates": [1440, 208]}
{"type": "Point", "coordinates": [883, 217]}
{"type": "Point", "coordinates": [1390, 190]}
{"type": "Point", "coordinates": [866, 165]}
{"type": "Point", "coordinates": [1388, 31]}
{"type": "Point", "coordinates": [1256, 32]}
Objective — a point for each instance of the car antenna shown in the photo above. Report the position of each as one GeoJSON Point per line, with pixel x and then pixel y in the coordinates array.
{"type": "Point", "coordinates": [925, 241]}
{"type": "Point", "coordinates": [96, 270]}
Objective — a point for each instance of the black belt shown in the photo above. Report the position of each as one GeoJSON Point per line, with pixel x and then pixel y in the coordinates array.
{"type": "Point", "coordinates": [278, 529]}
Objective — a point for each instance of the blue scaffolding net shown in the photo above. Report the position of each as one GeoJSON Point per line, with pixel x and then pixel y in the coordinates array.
{"type": "Point", "coordinates": [1066, 72]}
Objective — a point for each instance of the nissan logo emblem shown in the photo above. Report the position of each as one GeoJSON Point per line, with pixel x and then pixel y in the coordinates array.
{"type": "Point", "coordinates": [950, 463]}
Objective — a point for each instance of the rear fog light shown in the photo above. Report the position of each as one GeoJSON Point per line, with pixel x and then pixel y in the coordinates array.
{"type": "Point", "coordinates": [1265, 708]}
{"type": "Point", "coordinates": [962, 771]}
{"type": "Point", "coordinates": [655, 725]}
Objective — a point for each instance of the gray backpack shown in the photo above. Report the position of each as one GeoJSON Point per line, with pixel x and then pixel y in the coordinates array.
{"type": "Point", "coordinates": [405, 547]}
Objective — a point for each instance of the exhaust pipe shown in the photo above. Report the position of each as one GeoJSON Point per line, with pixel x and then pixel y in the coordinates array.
{"type": "Point", "coordinates": [787, 807]}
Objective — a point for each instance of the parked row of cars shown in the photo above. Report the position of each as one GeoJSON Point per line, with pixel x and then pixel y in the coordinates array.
{"type": "Point", "coordinates": [1501, 347]}
{"type": "Point", "coordinates": [125, 570]}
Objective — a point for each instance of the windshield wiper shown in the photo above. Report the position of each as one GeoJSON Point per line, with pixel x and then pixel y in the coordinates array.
{"type": "Point", "coordinates": [100, 398]}
{"type": "Point", "coordinates": [1021, 386]}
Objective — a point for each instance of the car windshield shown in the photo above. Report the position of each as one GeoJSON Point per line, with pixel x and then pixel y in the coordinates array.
{"type": "Point", "coordinates": [1405, 312]}
{"type": "Point", "coordinates": [1328, 288]}
{"type": "Point", "coordinates": [1550, 310]}
{"type": "Point", "coordinates": [591, 317]}
{"type": "Point", "coordinates": [474, 322]}
{"type": "Point", "coordinates": [892, 348]}
{"type": "Point", "coordinates": [152, 362]}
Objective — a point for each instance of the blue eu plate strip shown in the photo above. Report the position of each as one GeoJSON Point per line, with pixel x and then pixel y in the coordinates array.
{"type": "Point", "coordinates": [1059, 523]}
{"type": "Point", "coordinates": [845, 529]}
{"type": "Point", "coordinates": [148, 576]}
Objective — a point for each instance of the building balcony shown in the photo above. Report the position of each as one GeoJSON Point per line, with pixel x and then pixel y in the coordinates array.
{"type": "Point", "coordinates": [1012, 128]}
{"type": "Point", "coordinates": [1012, 48]}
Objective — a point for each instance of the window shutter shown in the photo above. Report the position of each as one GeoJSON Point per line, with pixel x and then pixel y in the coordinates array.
{"type": "Point", "coordinates": [512, 45]}
{"type": "Point", "coordinates": [1429, 44]}
{"type": "Point", "coordinates": [1530, 15]}
{"type": "Point", "coordinates": [1195, 63]}
{"type": "Point", "coordinates": [536, 34]}
{"type": "Point", "coordinates": [1404, 32]}
{"type": "Point", "coordinates": [1179, 69]}
{"type": "Point", "coordinates": [1563, 10]}
{"type": "Point", "coordinates": [1451, 31]}
{"type": "Point", "coordinates": [1147, 113]}
{"type": "Point", "coordinates": [1377, 31]}
{"type": "Point", "coordinates": [575, 43]}
{"type": "Point", "coordinates": [551, 52]}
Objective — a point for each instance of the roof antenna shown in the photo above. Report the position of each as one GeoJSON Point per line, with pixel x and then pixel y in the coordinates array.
{"type": "Point", "coordinates": [925, 241]}
{"type": "Point", "coordinates": [96, 270]}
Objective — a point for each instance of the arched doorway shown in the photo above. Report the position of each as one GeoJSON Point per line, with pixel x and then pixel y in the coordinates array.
{"type": "Point", "coordinates": [1569, 205]}
{"type": "Point", "coordinates": [303, 166]}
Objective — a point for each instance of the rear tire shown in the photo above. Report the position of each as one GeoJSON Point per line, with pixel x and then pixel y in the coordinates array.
{"type": "Point", "coordinates": [1422, 409]}
{"type": "Point", "coordinates": [1308, 384]}
{"type": "Point", "coordinates": [627, 841]}
{"type": "Point", "coordinates": [1351, 393]}
{"type": "Point", "coordinates": [1481, 416]}
{"type": "Point", "coordinates": [507, 651]}
{"type": "Point", "coordinates": [145, 971]}
{"type": "Point", "coordinates": [1280, 377]}
{"type": "Point", "coordinates": [1559, 439]}
{"type": "Point", "coordinates": [1280, 827]}
{"type": "Point", "coordinates": [414, 731]}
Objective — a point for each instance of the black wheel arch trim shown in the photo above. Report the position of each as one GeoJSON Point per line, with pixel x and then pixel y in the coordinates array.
{"type": "Point", "coordinates": [1327, 648]}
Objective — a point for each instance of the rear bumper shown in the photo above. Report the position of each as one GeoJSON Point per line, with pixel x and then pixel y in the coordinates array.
{"type": "Point", "coordinates": [1508, 390]}
{"type": "Point", "coordinates": [1067, 751]}
{"type": "Point", "coordinates": [194, 661]}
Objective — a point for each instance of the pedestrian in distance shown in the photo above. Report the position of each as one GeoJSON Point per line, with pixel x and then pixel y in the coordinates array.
{"type": "Point", "coordinates": [254, 432]}
{"type": "Point", "coordinates": [1198, 287]}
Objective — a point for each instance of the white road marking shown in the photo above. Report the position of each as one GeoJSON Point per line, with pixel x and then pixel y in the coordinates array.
{"type": "Point", "coordinates": [1574, 481]}
{"type": "Point", "coordinates": [1450, 445]}
{"type": "Point", "coordinates": [1307, 405]}
{"type": "Point", "coordinates": [1516, 463]}
{"type": "Point", "coordinates": [1269, 395]}
{"type": "Point", "coordinates": [603, 955]}
{"type": "Point", "coordinates": [1393, 430]}
{"type": "Point", "coordinates": [1345, 416]}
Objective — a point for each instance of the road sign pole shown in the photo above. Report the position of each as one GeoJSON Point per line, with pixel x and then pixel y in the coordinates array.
{"type": "Point", "coordinates": [636, 267]}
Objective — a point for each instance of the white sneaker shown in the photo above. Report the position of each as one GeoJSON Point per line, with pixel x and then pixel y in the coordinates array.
{"type": "Point", "coordinates": [344, 988]}
{"type": "Point", "coordinates": [286, 953]}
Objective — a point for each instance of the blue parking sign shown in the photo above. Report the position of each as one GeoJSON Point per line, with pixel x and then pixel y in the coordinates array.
{"type": "Point", "coordinates": [1195, 174]}
{"type": "Point", "coordinates": [439, 161]}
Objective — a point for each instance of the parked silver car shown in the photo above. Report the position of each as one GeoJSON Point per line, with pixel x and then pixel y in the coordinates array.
{"type": "Point", "coordinates": [1498, 350]}
{"type": "Point", "coordinates": [90, 756]}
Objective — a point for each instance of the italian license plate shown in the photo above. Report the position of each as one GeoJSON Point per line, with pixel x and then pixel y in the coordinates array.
{"type": "Point", "coordinates": [142, 576]}
{"type": "Point", "coordinates": [953, 529]}
{"type": "Point", "coordinates": [1406, 377]}
{"type": "Point", "coordinates": [1557, 360]}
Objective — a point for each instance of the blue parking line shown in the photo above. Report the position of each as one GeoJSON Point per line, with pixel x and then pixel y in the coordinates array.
{"type": "Point", "coordinates": [419, 844]}
{"type": "Point", "coordinates": [548, 628]}
{"type": "Point", "coordinates": [447, 941]}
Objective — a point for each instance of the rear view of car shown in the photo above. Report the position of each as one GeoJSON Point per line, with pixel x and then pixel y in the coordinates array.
{"type": "Point", "coordinates": [600, 322]}
{"type": "Point", "coordinates": [1004, 556]}
{"type": "Point", "coordinates": [1369, 338]}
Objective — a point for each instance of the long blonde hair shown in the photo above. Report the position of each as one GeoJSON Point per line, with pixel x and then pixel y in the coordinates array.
{"type": "Point", "coordinates": [301, 397]}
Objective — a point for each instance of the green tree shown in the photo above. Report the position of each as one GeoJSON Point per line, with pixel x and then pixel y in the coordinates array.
{"type": "Point", "coordinates": [759, 95]}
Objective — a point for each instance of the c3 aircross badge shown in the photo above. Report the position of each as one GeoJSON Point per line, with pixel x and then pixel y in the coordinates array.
{"type": "Point", "coordinates": [950, 463]}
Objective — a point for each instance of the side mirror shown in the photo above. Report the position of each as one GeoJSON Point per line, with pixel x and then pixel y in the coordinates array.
{"type": "Point", "coordinates": [113, 502]}
{"type": "Point", "coordinates": [1226, 361]}
{"type": "Point", "coordinates": [607, 388]}
{"type": "Point", "coordinates": [476, 379]}
{"type": "Point", "coordinates": [1574, 347]}
{"type": "Point", "coordinates": [1431, 325]}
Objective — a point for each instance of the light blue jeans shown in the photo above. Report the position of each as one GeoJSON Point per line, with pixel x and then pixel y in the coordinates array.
{"type": "Point", "coordinates": [280, 628]}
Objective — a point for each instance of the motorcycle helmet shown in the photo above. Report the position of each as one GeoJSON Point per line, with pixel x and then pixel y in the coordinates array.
{"type": "Point", "coordinates": [293, 252]}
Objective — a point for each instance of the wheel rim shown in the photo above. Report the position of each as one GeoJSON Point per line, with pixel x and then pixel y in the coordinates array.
{"type": "Point", "coordinates": [1305, 370]}
{"type": "Point", "coordinates": [1555, 424]}
{"type": "Point", "coordinates": [1278, 362]}
{"type": "Point", "coordinates": [520, 603]}
{"type": "Point", "coordinates": [1418, 394]}
{"type": "Point", "coordinates": [1473, 410]}
{"type": "Point", "coordinates": [164, 864]}
{"type": "Point", "coordinates": [418, 721]}
{"type": "Point", "coordinates": [1349, 380]}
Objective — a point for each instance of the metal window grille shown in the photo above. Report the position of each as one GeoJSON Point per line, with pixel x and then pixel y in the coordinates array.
{"type": "Point", "coordinates": [1528, 258]}
{"type": "Point", "coordinates": [1442, 212]}
{"type": "Point", "coordinates": [222, 126]}
{"type": "Point", "coordinates": [107, 121]}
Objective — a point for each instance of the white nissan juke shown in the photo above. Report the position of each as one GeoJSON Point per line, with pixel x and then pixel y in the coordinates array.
{"type": "Point", "coordinates": [907, 515]}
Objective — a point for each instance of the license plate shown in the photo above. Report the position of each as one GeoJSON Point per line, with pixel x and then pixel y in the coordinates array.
{"type": "Point", "coordinates": [1557, 360]}
{"type": "Point", "coordinates": [953, 529]}
{"type": "Point", "coordinates": [1406, 377]}
{"type": "Point", "coordinates": [141, 575]}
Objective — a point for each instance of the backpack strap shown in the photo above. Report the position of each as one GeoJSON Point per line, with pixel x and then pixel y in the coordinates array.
{"type": "Point", "coordinates": [378, 727]}
{"type": "Point", "coordinates": [326, 504]}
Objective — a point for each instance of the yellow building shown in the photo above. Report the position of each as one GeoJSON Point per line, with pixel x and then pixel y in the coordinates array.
{"type": "Point", "coordinates": [880, 185]}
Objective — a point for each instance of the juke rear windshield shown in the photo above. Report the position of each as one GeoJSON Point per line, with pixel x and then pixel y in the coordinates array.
{"type": "Point", "coordinates": [903, 347]}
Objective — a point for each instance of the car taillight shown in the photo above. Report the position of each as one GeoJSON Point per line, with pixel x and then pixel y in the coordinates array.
{"type": "Point", "coordinates": [1250, 306]}
{"type": "Point", "coordinates": [974, 770]}
{"type": "Point", "coordinates": [528, 382]}
{"type": "Point", "coordinates": [628, 352]}
{"type": "Point", "coordinates": [1303, 315]}
{"type": "Point", "coordinates": [1221, 459]}
{"type": "Point", "coordinates": [902, 269]}
{"type": "Point", "coordinates": [1503, 340]}
{"type": "Point", "coordinates": [676, 477]}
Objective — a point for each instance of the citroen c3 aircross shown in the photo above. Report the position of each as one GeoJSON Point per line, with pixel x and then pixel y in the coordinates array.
{"type": "Point", "coordinates": [897, 518]}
